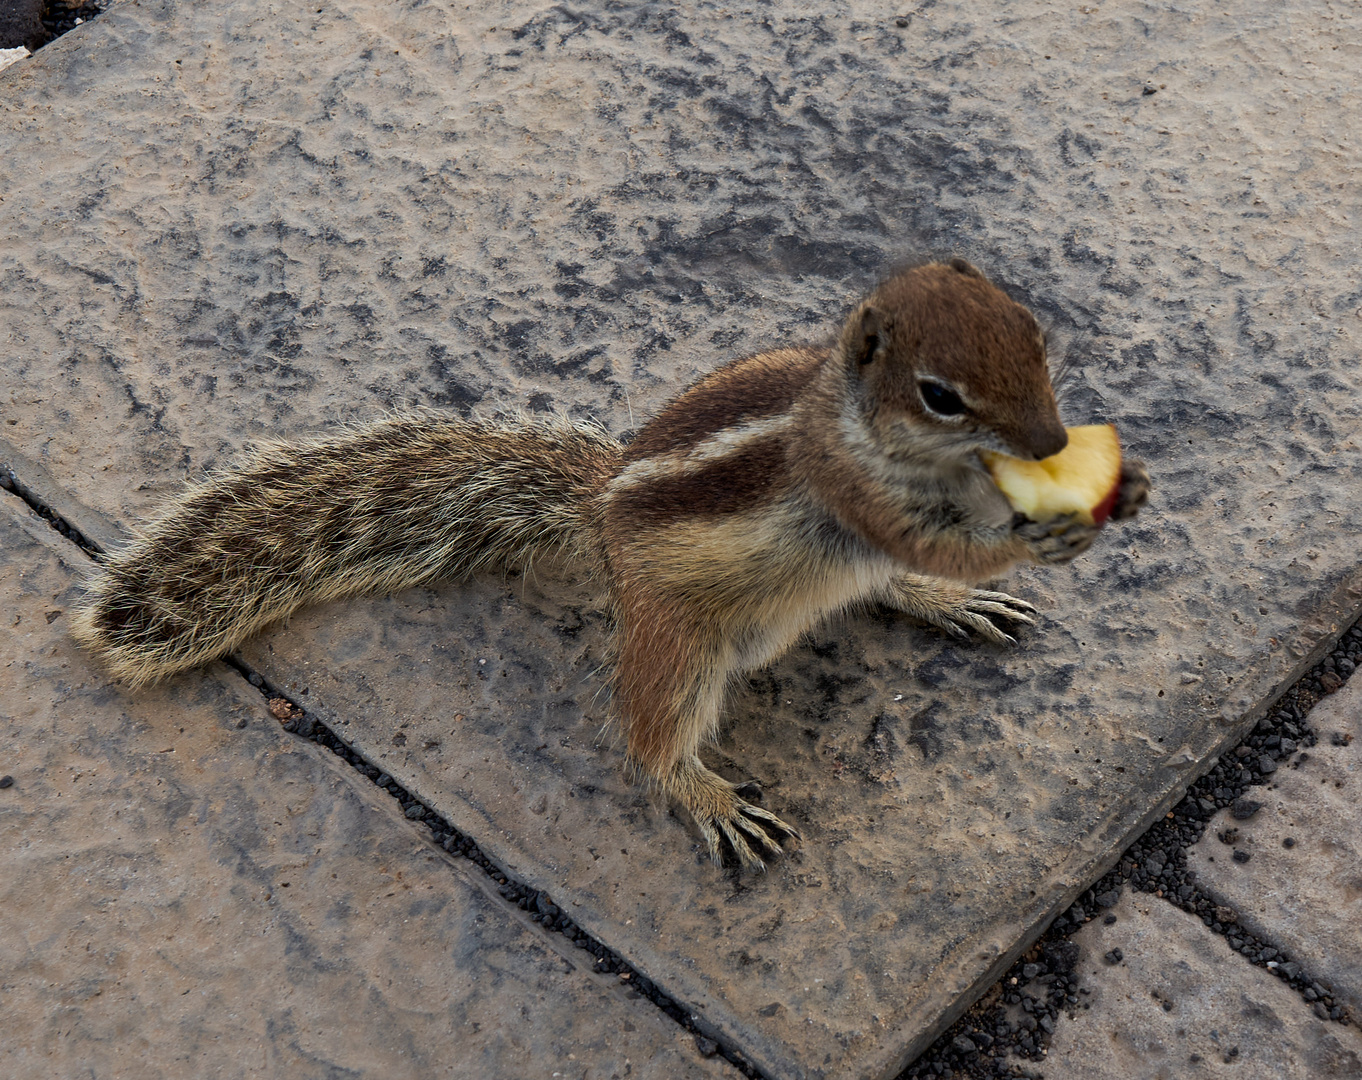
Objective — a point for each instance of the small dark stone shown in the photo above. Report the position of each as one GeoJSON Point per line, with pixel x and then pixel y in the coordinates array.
{"type": "Point", "coordinates": [1148, 90]}
{"type": "Point", "coordinates": [383, 779]}
{"type": "Point", "coordinates": [1244, 808]}
{"type": "Point", "coordinates": [1109, 898]}
{"type": "Point", "coordinates": [1266, 765]}
{"type": "Point", "coordinates": [963, 1045]}
{"type": "Point", "coordinates": [415, 811]}
{"type": "Point", "coordinates": [1115, 956]}
{"type": "Point", "coordinates": [1109, 920]}
{"type": "Point", "coordinates": [707, 1047]}
{"type": "Point", "coordinates": [1241, 856]}
{"type": "Point", "coordinates": [1030, 971]}
{"type": "Point", "coordinates": [6, 781]}
{"type": "Point", "coordinates": [1289, 842]}
{"type": "Point", "coordinates": [901, 22]}
{"type": "Point", "coordinates": [1329, 682]}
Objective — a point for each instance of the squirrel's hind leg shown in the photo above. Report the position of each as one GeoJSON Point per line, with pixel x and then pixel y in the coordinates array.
{"type": "Point", "coordinates": [958, 609]}
{"type": "Point", "coordinates": [670, 679]}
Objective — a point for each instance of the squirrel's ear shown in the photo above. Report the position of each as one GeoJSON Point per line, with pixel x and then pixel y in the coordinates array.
{"type": "Point", "coordinates": [875, 326]}
{"type": "Point", "coordinates": [960, 266]}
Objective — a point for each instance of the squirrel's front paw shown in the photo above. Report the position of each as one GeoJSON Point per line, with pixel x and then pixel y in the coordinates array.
{"type": "Point", "coordinates": [986, 613]}
{"type": "Point", "coordinates": [959, 610]}
{"type": "Point", "coordinates": [1056, 541]}
{"type": "Point", "coordinates": [1133, 492]}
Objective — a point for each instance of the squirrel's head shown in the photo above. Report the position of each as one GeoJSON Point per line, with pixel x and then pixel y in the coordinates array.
{"type": "Point", "coordinates": [940, 350]}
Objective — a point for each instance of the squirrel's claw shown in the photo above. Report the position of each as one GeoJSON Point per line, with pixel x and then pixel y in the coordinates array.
{"type": "Point", "coordinates": [747, 833]}
{"type": "Point", "coordinates": [958, 610]}
{"type": "Point", "coordinates": [729, 823]}
{"type": "Point", "coordinates": [986, 612]}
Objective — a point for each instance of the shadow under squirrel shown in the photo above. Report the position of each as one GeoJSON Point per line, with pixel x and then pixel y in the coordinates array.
{"type": "Point", "coordinates": [779, 489]}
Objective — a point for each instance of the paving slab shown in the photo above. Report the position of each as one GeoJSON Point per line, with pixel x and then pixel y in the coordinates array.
{"type": "Point", "coordinates": [1293, 871]}
{"type": "Point", "coordinates": [187, 890]}
{"type": "Point", "coordinates": [249, 221]}
{"type": "Point", "coordinates": [1181, 1003]}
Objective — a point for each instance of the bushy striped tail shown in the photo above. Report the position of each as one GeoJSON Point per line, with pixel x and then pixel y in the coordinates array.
{"type": "Point", "coordinates": [386, 506]}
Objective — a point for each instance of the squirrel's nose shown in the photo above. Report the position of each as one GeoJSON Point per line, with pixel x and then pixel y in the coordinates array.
{"type": "Point", "coordinates": [1048, 440]}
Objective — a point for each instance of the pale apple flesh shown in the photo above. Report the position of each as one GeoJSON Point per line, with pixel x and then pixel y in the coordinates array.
{"type": "Point", "coordinates": [1083, 479]}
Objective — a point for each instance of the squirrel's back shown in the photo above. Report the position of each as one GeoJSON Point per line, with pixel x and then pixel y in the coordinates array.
{"type": "Point", "coordinates": [386, 506]}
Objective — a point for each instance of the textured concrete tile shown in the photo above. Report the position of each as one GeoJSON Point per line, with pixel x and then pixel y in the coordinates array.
{"type": "Point", "coordinates": [1182, 1004]}
{"type": "Point", "coordinates": [277, 218]}
{"type": "Point", "coordinates": [187, 891]}
{"type": "Point", "coordinates": [1306, 898]}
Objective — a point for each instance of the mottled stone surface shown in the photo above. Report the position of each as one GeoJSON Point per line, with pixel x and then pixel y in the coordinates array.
{"type": "Point", "coordinates": [1183, 1004]}
{"type": "Point", "coordinates": [239, 221]}
{"type": "Point", "coordinates": [1306, 898]}
{"type": "Point", "coordinates": [187, 891]}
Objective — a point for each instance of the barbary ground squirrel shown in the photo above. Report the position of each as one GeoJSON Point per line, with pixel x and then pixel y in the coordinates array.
{"type": "Point", "coordinates": [779, 489]}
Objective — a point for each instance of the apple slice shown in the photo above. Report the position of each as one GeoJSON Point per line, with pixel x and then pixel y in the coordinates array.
{"type": "Point", "coordinates": [1084, 478]}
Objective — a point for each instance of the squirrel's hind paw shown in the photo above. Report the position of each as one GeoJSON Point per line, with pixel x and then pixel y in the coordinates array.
{"type": "Point", "coordinates": [732, 826]}
{"type": "Point", "coordinates": [745, 832]}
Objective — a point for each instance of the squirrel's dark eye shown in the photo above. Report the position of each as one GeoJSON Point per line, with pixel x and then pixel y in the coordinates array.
{"type": "Point", "coordinates": [939, 400]}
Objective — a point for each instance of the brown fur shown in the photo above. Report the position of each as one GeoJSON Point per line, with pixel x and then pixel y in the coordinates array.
{"type": "Point", "coordinates": [778, 489]}
{"type": "Point", "coordinates": [733, 483]}
{"type": "Point", "coordinates": [757, 386]}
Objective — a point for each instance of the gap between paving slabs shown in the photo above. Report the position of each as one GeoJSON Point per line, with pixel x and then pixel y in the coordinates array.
{"type": "Point", "coordinates": [538, 903]}
{"type": "Point", "coordinates": [979, 1044]}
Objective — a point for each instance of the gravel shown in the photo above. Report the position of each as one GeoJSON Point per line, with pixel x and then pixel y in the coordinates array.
{"type": "Point", "coordinates": [1018, 1014]}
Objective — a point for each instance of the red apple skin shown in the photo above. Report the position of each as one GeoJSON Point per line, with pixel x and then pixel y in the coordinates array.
{"type": "Point", "coordinates": [1103, 510]}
